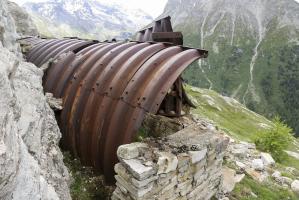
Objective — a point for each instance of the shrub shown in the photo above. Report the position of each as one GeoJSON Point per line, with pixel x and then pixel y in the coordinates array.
{"type": "Point", "coordinates": [275, 140]}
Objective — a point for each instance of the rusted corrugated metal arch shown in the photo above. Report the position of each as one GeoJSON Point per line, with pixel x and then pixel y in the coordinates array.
{"type": "Point", "coordinates": [30, 40]}
{"type": "Point", "coordinates": [107, 88]}
{"type": "Point", "coordinates": [52, 48]}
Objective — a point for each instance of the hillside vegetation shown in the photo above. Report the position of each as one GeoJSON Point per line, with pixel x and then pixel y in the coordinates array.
{"type": "Point", "coordinates": [227, 113]}
{"type": "Point", "coordinates": [253, 51]}
{"type": "Point", "coordinates": [232, 117]}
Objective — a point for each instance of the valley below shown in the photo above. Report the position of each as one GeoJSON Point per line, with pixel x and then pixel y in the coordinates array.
{"type": "Point", "coordinates": [253, 51]}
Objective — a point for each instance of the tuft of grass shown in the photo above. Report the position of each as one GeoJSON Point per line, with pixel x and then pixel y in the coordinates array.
{"type": "Point", "coordinates": [288, 174]}
{"type": "Point", "coordinates": [86, 184]}
{"type": "Point", "coordinates": [249, 189]}
{"type": "Point", "coordinates": [290, 162]}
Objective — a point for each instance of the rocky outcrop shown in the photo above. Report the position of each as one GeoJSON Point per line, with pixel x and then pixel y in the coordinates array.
{"type": "Point", "coordinates": [243, 159]}
{"type": "Point", "coordinates": [247, 159]}
{"type": "Point", "coordinates": [8, 33]}
{"type": "Point", "coordinates": [31, 164]}
{"type": "Point", "coordinates": [23, 21]}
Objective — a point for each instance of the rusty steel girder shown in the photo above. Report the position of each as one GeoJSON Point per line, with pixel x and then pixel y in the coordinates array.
{"type": "Point", "coordinates": [107, 88]}
{"type": "Point", "coordinates": [160, 31]}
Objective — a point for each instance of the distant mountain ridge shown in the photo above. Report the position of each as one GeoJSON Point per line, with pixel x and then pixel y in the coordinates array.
{"type": "Point", "coordinates": [253, 51]}
{"type": "Point", "coordinates": [86, 18]}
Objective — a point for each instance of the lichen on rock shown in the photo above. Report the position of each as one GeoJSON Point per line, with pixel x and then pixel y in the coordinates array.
{"type": "Point", "coordinates": [8, 32]}
{"type": "Point", "coordinates": [31, 164]}
{"type": "Point", "coordinates": [24, 24]}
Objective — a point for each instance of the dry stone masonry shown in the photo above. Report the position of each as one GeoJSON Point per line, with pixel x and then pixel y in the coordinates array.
{"type": "Point", "coordinates": [185, 165]}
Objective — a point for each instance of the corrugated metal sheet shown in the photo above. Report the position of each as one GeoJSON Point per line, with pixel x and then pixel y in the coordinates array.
{"type": "Point", "coordinates": [52, 48]}
{"type": "Point", "coordinates": [30, 40]}
{"type": "Point", "coordinates": [107, 88]}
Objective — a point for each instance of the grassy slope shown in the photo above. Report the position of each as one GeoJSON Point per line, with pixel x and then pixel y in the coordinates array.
{"type": "Point", "coordinates": [244, 190]}
{"type": "Point", "coordinates": [228, 114]}
{"type": "Point", "coordinates": [239, 122]}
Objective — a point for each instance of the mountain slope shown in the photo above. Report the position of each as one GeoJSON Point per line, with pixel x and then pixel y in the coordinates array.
{"type": "Point", "coordinates": [253, 51]}
{"type": "Point", "coordinates": [227, 114]}
{"type": "Point", "coordinates": [243, 125]}
{"type": "Point", "coordinates": [86, 18]}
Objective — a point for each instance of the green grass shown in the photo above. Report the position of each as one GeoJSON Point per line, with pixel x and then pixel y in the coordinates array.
{"type": "Point", "coordinates": [86, 184]}
{"type": "Point", "coordinates": [228, 114]}
{"type": "Point", "coordinates": [233, 118]}
{"type": "Point", "coordinates": [242, 124]}
{"type": "Point", "coordinates": [247, 187]}
{"type": "Point", "coordinates": [291, 162]}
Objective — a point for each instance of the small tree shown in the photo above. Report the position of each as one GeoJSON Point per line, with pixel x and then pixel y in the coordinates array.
{"type": "Point", "coordinates": [275, 140]}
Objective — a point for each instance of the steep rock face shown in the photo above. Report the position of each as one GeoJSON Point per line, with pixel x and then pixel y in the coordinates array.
{"type": "Point", "coordinates": [97, 19]}
{"type": "Point", "coordinates": [8, 33]}
{"type": "Point", "coordinates": [23, 22]}
{"type": "Point", "coordinates": [253, 50]}
{"type": "Point", "coordinates": [31, 164]}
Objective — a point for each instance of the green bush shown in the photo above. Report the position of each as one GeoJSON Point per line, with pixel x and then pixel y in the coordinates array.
{"type": "Point", "coordinates": [275, 140]}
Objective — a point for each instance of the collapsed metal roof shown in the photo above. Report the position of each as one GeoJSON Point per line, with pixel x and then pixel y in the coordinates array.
{"type": "Point", "coordinates": [107, 88]}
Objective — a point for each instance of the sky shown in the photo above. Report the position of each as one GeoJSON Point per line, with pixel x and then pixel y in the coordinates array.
{"type": "Point", "coordinates": [152, 7]}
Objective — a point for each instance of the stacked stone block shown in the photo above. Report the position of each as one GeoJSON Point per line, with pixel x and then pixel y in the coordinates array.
{"type": "Point", "coordinates": [184, 166]}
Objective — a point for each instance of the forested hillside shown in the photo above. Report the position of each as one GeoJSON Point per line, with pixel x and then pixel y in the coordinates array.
{"type": "Point", "coordinates": [253, 51]}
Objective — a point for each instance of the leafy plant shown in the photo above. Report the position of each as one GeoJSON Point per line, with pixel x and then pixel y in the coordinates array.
{"type": "Point", "coordinates": [275, 140]}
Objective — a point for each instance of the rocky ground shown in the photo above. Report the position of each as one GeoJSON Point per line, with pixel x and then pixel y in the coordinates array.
{"type": "Point", "coordinates": [243, 160]}
{"type": "Point", "coordinates": [249, 173]}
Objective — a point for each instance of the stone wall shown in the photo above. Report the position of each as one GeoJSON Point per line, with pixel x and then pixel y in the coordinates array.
{"type": "Point", "coordinates": [185, 165]}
